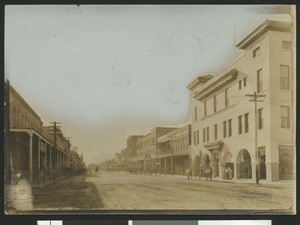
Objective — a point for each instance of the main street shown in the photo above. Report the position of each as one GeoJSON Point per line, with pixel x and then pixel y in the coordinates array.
{"type": "Point", "coordinates": [123, 191]}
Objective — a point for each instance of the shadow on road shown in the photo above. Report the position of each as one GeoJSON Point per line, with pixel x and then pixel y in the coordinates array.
{"type": "Point", "coordinates": [68, 193]}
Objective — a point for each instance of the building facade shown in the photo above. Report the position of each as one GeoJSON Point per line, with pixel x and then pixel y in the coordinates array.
{"type": "Point", "coordinates": [174, 151]}
{"type": "Point", "coordinates": [249, 138]}
{"type": "Point", "coordinates": [164, 150]}
{"type": "Point", "coordinates": [32, 148]}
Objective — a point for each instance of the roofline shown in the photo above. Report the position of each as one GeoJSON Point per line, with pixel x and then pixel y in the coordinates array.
{"type": "Point", "coordinates": [25, 102]}
{"type": "Point", "coordinates": [200, 79]}
{"type": "Point", "coordinates": [230, 76]}
{"type": "Point", "coordinates": [263, 28]}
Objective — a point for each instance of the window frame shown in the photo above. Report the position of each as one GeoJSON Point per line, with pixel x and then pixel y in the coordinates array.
{"type": "Point", "coordinates": [216, 131]}
{"type": "Point", "coordinates": [207, 134]}
{"type": "Point", "coordinates": [205, 108]}
{"type": "Point", "coordinates": [224, 129]}
{"type": "Point", "coordinates": [288, 82]}
{"type": "Point", "coordinates": [246, 122]}
{"type": "Point", "coordinates": [286, 42]}
{"type": "Point", "coordinates": [256, 52]}
{"type": "Point", "coordinates": [240, 124]}
{"type": "Point", "coordinates": [229, 127]}
{"type": "Point", "coordinates": [226, 98]}
{"type": "Point", "coordinates": [259, 77]}
{"type": "Point", "coordinates": [287, 117]}
{"type": "Point", "coordinates": [215, 103]}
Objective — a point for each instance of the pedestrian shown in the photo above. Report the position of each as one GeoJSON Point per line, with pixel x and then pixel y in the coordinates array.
{"type": "Point", "coordinates": [190, 174]}
{"type": "Point", "coordinates": [229, 173]}
{"type": "Point", "coordinates": [187, 173]}
{"type": "Point", "coordinates": [210, 173]}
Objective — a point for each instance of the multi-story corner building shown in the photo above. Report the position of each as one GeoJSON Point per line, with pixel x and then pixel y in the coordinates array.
{"type": "Point", "coordinates": [174, 150]}
{"type": "Point", "coordinates": [227, 132]}
{"type": "Point", "coordinates": [30, 148]}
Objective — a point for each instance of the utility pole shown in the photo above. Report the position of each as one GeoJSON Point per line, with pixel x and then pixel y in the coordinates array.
{"type": "Point", "coordinates": [55, 130]}
{"type": "Point", "coordinates": [255, 98]}
{"type": "Point", "coordinates": [68, 151]}
{"type": "Point", "coordinates": [171, 156]}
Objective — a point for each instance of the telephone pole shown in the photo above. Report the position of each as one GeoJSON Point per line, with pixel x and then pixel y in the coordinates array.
{"type": "Point", "coordinates": [68, 151]}
{"type": "Point", "coordinates": [55, 129]}
{"type": "Point", "coordinates": [255, 98]}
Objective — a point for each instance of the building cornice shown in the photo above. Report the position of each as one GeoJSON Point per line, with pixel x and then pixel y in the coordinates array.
{"type": "Point", "coordinates": [199, 80]}
{"type": "Point", "coordinates": [263, 28]}
{"type": "Point", "coordinates": [217, 84]}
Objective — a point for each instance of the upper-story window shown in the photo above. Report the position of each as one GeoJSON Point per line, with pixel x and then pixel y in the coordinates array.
{"type": "Point", "coordinates": [229, 127]}
{"type": "Point", "coordinates": [203, 135]}
{"type": "Point", "coordinates": [256, 52]}
{"type": "Point", "coordinates": [245, 81]}
{"type": "Point", "coordinates": [204, 108]}
{"type": "Point", "coordinates": [240, 118]}
{"type": "Point", "coordinates": [224, 129]}
{"type": "Point", "coordinates": [284, 77]}
{"type": "Point", "coordinates": [226, 98]}
{"type": "Point", "coordinates": [285, 117]}
{"type": "Point", "coordinates": [259, 81]}
{"type": "Point", "coordinates": [216, 131]}
{"type": "Point", "coordinates": [287, 45]}
{"type": "Point", "coordinates": [246, 120]}
{"type": "Point", "coordinates": [196, 113]}
{"type": "Point", "coordinates": [215, 103]}
{"type": "Point", "coordinates": [207, 134]}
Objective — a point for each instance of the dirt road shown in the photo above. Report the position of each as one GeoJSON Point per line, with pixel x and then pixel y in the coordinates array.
{"type": "Point", "coordinates": [73, 193]}
{"type": "Point", "coordinates": [122, 191]}
{"type": "Point", "coordinates": [126, 191]}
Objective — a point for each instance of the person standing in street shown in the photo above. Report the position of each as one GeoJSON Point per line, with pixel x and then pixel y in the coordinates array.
{"type": "Point", "coordinates": [190, 174]}
{"type": "Point", "coordinates": [210, 173]}
{"type": "Point", "coordinates": [187, 173]}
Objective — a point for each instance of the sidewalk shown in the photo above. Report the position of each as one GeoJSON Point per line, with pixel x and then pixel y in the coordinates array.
{"type": "Point", "coordinates": [252, 182]}
{"type": "Point", "coordinates": [48, 182]}
{"type": "Point", "coordinates": [281, 183]}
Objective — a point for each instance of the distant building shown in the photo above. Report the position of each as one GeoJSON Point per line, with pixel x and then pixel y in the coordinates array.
{"type": "Point", "coordinates": [223, 119]}
{"type": "Point", "coordinates": [146, 148]}
{"type": "Point", "coordinates": [174, 150]}
{"type": "Point", "coordinates": [132, 149]}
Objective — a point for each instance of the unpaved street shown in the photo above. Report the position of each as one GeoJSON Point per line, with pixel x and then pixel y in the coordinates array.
{"type": "Point", "coordinates": [122, 191]}
{"type": "Point", "coordinates": [126, 191]}
{"type": "Point", "coordinates": [73, 193]}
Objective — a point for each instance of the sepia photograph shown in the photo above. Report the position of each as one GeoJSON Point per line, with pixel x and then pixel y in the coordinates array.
{"type": "Point", "coordinates": [150, 109]}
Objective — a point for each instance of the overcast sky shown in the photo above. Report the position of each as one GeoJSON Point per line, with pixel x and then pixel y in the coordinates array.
{"type": "Point", "coordinates": [107, 72]}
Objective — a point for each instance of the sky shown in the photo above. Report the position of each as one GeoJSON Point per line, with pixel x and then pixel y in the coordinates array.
{"type": "Point", "coordinates": [107, 72]}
